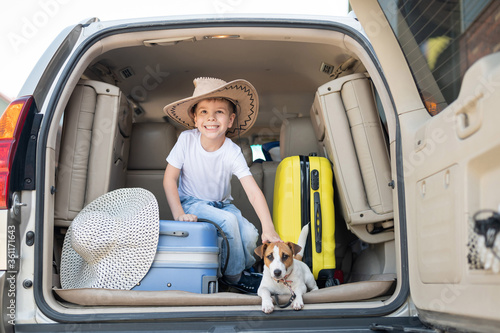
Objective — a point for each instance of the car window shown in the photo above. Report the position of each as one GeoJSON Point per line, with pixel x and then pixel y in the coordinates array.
{"type": "Point", "coordinates": [257, 153]}
{"type": "Point", "coordinates": [441, 40]}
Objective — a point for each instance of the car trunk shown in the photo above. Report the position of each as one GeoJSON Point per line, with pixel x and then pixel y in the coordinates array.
{"type": "Point", "coordinates": [125, 75]}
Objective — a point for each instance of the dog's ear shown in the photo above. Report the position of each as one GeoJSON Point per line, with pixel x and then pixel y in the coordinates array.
{"type": "Point", "coordinates": [294, 247]}
{"type": "Point", "coordinates": [260, 250]}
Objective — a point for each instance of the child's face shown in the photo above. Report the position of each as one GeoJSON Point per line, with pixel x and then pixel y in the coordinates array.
{"type": "Point", "coordinates": [213, 117]}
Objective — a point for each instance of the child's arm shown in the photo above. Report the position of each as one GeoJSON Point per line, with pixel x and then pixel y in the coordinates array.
{"type": "Point", "coordinates": [258, 201]}
{"type": "Point", "coordinates": [170, 185]}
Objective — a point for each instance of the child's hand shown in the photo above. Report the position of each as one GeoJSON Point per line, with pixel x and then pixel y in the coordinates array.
{"type": "Point", "coordinates": [270, 237]}
{"type": "Point", "coordinates": [187, 218]}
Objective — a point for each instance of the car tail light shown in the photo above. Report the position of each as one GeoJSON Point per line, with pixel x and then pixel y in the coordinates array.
{"type": "Point", "coordinates": [11, 125]}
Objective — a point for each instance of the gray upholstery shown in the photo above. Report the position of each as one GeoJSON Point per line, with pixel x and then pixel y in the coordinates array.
{"type": "Point", "coordinates": [368, 139]}
{"type": "Point", "coordinates": [240, 198]}
{"type": "Point", "coordinates": [297, 137]}
{"type": "Point", "coordinates": [347, 123]}
{"type": "Point", "coordinates": [150, 145]}
{"type": "Point", "coordinates": [269, 175]}
{"type": "Point", "coordinates": [245, 149]}
{"type": "Point", "coordinates": [94, 147]}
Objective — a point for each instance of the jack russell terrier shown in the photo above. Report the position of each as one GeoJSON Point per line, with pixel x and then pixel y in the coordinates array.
{"type": "Point", "coordinates": [285, 273]}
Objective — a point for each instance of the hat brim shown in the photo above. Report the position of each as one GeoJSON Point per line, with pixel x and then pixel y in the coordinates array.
{"type": "Point", "coordinates": [240, 92]}
{"type": "Point", "coordinates": [121, 230]}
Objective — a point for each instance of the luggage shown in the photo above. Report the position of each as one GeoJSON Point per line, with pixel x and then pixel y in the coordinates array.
{"type": "Point", "coordinates": [187, 259]}
{"type": "Point", "coordinates": [303, 193]}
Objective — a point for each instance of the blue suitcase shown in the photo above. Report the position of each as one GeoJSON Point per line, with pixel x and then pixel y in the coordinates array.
{"type": "Point", "coordinates": [187, 259]}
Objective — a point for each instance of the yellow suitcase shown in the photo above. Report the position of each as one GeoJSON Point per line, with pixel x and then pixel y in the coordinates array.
{"type": "Point", "coordinates": [303, 193]}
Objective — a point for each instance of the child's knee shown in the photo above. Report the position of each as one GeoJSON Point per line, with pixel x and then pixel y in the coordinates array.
{"type": "Point", "coordinates": [250, 236]}
{"type": "Point", "coordinates": [230, 223]}
{"type": "Point", "coordinates": [252, 241]}
{"type": "Point", "coordinates": [250, 230]}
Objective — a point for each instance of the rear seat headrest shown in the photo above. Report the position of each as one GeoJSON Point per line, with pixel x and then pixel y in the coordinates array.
{"type": "Point", "coordinates": [150, 145]}
{"type": "Point", "coordinates": [297, 137]}
{"type": "Point", "coordinates": [245, 149]}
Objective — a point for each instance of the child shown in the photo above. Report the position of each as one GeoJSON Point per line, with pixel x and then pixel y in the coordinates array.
{"type": "Point", "coordinates": [203, 161]}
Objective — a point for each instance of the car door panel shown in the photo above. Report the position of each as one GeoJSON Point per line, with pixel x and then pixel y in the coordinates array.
{"type": "Point", "coordinates": [451, 164]}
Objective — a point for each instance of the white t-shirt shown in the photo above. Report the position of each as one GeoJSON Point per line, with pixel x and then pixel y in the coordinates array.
{"type": "Point", "coordinates": [206, 175]}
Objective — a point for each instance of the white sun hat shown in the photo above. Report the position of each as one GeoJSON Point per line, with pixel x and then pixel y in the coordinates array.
{"type": "Point", "coordinates": [239, 92]}
{"type": "Point", "coordinates": [112, 242]}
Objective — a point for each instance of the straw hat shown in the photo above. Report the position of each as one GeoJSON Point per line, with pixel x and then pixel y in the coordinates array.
{"type": "Point", "coordinates": [240, 92]}
{"type": "Point", "coordinates": [112, 242]}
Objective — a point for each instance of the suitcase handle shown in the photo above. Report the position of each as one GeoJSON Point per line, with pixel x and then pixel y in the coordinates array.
{"type": "Point", "coordinates": [317, 222]}
{"type": "Point", "coordinates": [223, 270]}
{"type": "Point", "coordinates": [178, 233]}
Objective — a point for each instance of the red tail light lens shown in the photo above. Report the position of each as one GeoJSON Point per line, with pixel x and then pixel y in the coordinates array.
{"type": "Point", "coordinates": [11, 125]}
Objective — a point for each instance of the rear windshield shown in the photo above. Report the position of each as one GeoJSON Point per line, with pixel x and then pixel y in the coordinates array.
{"type": "Point", "coordinates": [441, 39]}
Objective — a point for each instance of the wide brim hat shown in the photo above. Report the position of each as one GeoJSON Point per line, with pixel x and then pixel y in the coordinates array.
{"type": "Point", "coordinates": [240, 92]}
{"type": "Point", "coordinates": [112, 242]}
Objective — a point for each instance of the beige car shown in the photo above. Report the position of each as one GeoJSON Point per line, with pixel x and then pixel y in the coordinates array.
{"type": "Point", "coordinates": [402, 98]}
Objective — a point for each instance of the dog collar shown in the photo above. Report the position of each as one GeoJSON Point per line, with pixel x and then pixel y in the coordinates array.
{"type": "Point", "coordinates": [287, 284]}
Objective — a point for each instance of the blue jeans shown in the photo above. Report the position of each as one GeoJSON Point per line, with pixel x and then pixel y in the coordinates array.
{"type": "Point", "coordinates": [241, 234]}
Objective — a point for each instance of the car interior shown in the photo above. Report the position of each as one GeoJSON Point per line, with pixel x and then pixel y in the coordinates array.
{"type": "Point", "coordinates": [320, 92]}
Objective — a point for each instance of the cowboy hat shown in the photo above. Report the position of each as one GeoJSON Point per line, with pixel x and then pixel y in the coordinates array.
{"type": "Point", "coordinates": [240, 92]}
{"type": "Point", "coordinates": [112, 242]}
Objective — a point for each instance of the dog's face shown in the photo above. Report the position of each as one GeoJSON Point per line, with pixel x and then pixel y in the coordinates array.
{"type": "Point", "coordinates": [278, 257]}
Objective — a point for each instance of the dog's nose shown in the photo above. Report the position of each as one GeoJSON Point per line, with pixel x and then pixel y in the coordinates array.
{"type": "Point", "coordinates": [277, 272]}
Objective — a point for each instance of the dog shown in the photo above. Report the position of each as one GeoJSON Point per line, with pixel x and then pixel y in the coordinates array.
{"type": "Point", "coordinates": [284, 272]}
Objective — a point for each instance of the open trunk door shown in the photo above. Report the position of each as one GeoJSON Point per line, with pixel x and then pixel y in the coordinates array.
{"type": "Point", "coordinates": [20, 127]}
{"type": "Point", "coordinates": [441, 62]}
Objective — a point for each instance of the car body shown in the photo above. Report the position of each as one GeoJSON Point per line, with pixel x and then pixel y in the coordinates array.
{"type": "Point", "coordinates": [410, 175]}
